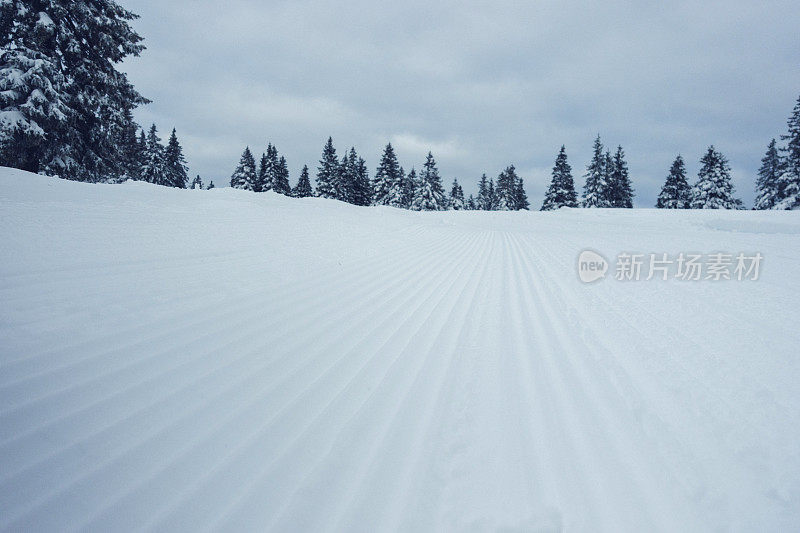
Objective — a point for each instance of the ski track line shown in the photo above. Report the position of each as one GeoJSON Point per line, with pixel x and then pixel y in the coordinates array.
{"type": "Point", "coordinates": [411, 411]}
{"type": "Point", "coordinates": [558, 398]}
{"type": "Point", "coordinates": [678, 452]}
{"type": "Point", "coordinates": [452, 458]}
{"type": "Point", "coordinates": [184, 461]}
{"type": "Point", "coordinates": [324, 485]}
{"type": "Point", "coordinates": [633, 392]}
{"type": "Point", "coordinates": [335, 279]}
{"type": "Point", "coordinates": [432, 299]}
{"type": "Point", "coordinates": [498, 486]}
{"type": "Point", "coordinates": [210, 324]}
{"type": "Point", "coordinates": [544, 434]}
{"type": "Point", "coordinates": [598, 383]}
{"type": "Point", "coordinates": [598, 408]}
{"type": "Point", "coordinates": [363, 423]}
{"type": "Point", "coordinates": [718, 403]}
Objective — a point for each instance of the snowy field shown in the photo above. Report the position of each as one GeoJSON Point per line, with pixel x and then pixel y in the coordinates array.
{"type": "Point", "coordinates": [187, 360]}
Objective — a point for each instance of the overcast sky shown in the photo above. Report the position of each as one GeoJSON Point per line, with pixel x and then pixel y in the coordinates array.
{"type": "Point", "coordinates": [480, 84]}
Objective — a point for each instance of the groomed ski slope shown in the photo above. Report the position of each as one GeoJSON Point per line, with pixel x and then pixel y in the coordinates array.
{"type": "Point", "coordinates": [181, 360]}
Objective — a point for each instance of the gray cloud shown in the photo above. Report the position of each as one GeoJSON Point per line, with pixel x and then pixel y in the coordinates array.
{"type": "Point", "coordinates": [481, 84]}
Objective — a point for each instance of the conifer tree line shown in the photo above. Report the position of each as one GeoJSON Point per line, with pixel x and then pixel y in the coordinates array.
{"type": "Point", "coordinates": [347, 179]}
{"type": "Point", "coordinates": [155, 163]}
{"type": "Point", "coordinates": [66, 110]}
{"type": "Point", "coordinates": [778, 181]}
{"type": "Point", "coordinates": [607, 181]}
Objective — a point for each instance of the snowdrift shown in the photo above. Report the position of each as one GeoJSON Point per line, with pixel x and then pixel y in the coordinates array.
{"type": "Point", "coordinates": [185, 359]}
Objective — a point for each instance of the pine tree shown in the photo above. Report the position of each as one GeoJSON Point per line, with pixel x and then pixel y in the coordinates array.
{"type": "Point", "coordinates": [263, 174]}
{"type": "Point", "coordinates": [153, 160]}
{"type": "Point", "coordinates": [484, 201]}
{"type": "Point", "coordinates": [429, 196]}
{"type": "Point", "coordinates": [789, 181]}
{"type": "Point", "coordinates": [561, 192]}
{"type": "Point", "coordinates": [387, 185]}
{"type": "Point", "coordinates": [303, 188]}
{"type": "Point", "coordinates": [362, 187]}
{"type": "Point", "coordinates": [328, 172]}
{"type": "Point", "coordinates": [714, 189]}
{"type": "Point", "coordinates": [472, 205]}
{"type": "Point", "coordinates": [521, 197]}
{"type": "Point", "coordinates": [457, 197]}
{"type": "Point", "coordinates": [131, 151]}
{"type": "Point", "coordinates": [268, 170]}
{"type": "Point", "coordinates": [210, 185]}
{"type": "Point", "coordinates": [141, 146]}
{"type": "Point", "coordinates": [504, 191]}
{"type": "Point", "coordinates": [768, 191]}
{"type": "Point", "coordinates": [676, 193]}
{"type": "Point", "coordinates": [197, 183]}
{"type": "Point", "coordinates": [595, 190]}
{"type": "Point", "coordinates": [349, 178]}
{"type": "Point", "coordinates": [620, 191]}
{"type": "Point", "coordinates": [244, 177]}
{"type": "Point", "coordinates": [64, 107]}
{"type": "Point", "coordinates": [608, 172]}
{"type": "Point", "coordinates": [409, 184]}
{"type": "Point", "coordinates": [280, 182]}
{"type": "Point", "coordinates": [491, 197]}
{"type": "Point", "coordinates": [175, 164]}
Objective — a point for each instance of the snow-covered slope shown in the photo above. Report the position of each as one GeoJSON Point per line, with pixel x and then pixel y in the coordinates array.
{"type": "Point", "coordinates": [192, 360]}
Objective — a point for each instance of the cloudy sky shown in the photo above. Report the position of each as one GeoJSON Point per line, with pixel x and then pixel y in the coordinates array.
{"type": "Point", "coordinates": [480, 84]}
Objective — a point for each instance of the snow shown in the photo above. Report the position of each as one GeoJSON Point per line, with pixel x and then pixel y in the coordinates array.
{"type": "Point", "coordinates": [192, 360]}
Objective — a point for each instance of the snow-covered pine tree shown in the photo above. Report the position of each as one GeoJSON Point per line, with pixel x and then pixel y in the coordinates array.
{"type": "Point", "coordinates": [608, 171]}
{"type": "Point", "coordinates": [387, 185]}
{"type": "Point", "coordinates": [210, 185]}
{"type": "Point", "coordinates": [491, 196]}
{"type": "Point", "coordinates": [504, 191]}
{"type": "Point", "coordinates": [197, 183]}
{"type": "Point", "coordinates": [244, 177]}
{"type": "Point", "coordinates": [472, 205]}
{"type": "Point", "coordinates": [328, 172]}
{"type": "Point", "coordinates": [789, 181]}
{"type": "Point", "coordinates": [403, 184]}
{"type": "Point", "coordinates": [429, 195]}
{"type": "Point", "coordinates": [354, 184]}
{"type": "Point", "coordinates": [520, 196]}
{"type": "Point", "coordinates": [142, 149]}
{"type": "Point", "coordinates": [267, 169]}
{"type": "Point", "coordinates": [595, 190]}
{"type": "Point", "coordinates": [280, 182]}
{"type": "Point", "coordinates": [768, 191]}
{"type": "Point", "coordinates": [620, 191]}
{"type": "Point", "coordinates": [484, 201]}
{"type": "Point", "coordinates": [303, 188]}
{"type": "Point", "coordinates": [457, 197]}
{"type": "Point", "coordinates": [714, 189]}
{"type": "Point", "coordinates": [348, 177]}
{"type": "Point", "coordinates": [175, 164]}
{"type": "Point", "coordinates": [63, 104]}
{"type": "Point", "coordinates": [409, 184]}
{"type": "Point", "coordinates": [676, 193]}
{"type": "Point", "coordinates": [362, 192]}
{"type": "Point", "coordinates": [561, 192]}
{"type": "Point", "coordinates": [153, 159]}
{"type": "Point", "coordinates": [263, 174]}
{"type": "Point", "coordinates": [130, 149]}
